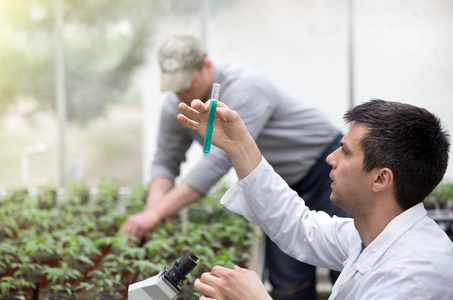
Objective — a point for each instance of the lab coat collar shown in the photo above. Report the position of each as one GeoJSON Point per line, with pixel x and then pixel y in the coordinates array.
{"type": "Point", "coordinates": [388, 236]}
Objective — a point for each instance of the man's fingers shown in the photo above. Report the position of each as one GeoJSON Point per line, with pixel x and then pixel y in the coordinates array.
{"type": "Point", "coordinates": [127, 228]}
{"type": "Point", "coordinates": [189, 111]}
{"type": "Point", "coordinates": [199, 105]}
{"type": "Point", "coordinates": [226, 113]}
{"type": "Point", "coordinates": [204, 288]}
{"type": "Point", "coordinates": [133, 229]}
{"type": "Point", "coordinates": [147, 236]}
{"type": "Point", "coordinates": [209, 278]}
{"type": "Point", "coordinates": [186, 121]}
{"type": "Point", "coordinates": [241, 270]}
{"type": "Point", "coordinates": [219, 271]}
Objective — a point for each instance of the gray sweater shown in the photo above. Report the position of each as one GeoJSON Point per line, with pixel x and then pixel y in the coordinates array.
{"type": "Point", "coordinates": [290, 134]}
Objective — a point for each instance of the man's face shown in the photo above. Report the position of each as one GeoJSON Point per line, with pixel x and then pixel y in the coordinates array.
{"type": "Point", "coordinates": [199, 88]}
{"type": "Point", "coordinates": [352, 185]}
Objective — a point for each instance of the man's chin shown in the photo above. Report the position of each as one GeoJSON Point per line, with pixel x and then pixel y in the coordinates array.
{"type": "Point", "coordinates": [333, 199]}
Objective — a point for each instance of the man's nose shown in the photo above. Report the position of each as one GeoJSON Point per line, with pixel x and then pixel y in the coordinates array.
{"type": "Point", "coordinates": [330, 159]}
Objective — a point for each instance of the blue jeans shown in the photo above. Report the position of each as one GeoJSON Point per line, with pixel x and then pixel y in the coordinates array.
{"type": "Point", "coordinates": [290, 278]}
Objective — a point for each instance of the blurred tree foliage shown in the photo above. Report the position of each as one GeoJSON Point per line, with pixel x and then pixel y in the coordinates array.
{"type": "Point", "coordinates": [105, 42]}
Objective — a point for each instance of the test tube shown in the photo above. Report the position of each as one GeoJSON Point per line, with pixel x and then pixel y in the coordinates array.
{"type": "Point", "coordinates": [211, 117]}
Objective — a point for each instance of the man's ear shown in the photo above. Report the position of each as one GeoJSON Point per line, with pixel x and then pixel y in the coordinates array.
{"type": "Point", "coordinates": [208, 70]}
{"type": "Point", "coordinates": [383, 180]}
{"type": "Point", "coordinates": [207, 63]}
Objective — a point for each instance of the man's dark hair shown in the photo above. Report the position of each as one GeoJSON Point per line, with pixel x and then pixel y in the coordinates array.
{"type": "Point", "coordinates": [408, 140]}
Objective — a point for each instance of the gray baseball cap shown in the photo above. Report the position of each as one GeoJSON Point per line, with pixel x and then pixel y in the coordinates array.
{"type": "Point", "coordinates": [178, 57]}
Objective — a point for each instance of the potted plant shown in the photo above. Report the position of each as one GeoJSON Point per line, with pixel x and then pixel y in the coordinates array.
{"type": "Point", "coordinates": [108, 191]}
{"type": "Point", "coordinates": [440, 196]}
{"type": "Point", "coordinates": [75, 197]}
{"type": "Point", "coordinates": [146, 269]}
{"type": "Point", "coordinates": [236, 231]}
{"type": "Point", "coordinates": [8, 257]}
{"type": "Point", "coordinates": [59, 277]}
{"type": "Point", "coordinates": [118, 264]}
{"type": "Point", "coordinates": [47, 196]}
{"type": "Point", "coordinates": [104, 284]}
{"type": "Point", "coordinates": [63, 291]}
{"type": "Point", "coordinates": [42, 249]}
{"type": "Point", "coordinates": [29, 271]}
{"type": "Point", "coordinates": [16, 195]}
{"type": "Point", "coordinates": [78, 251]}
{"type": "Point", "coordinates": [119, 241]}
{"type": "Point", "coordinates": [157, 248]}
{"type": "Point", "coordinates": [135, 201]}
{"type": "Point", "coordinates": [47, 220]}
{"type": "Point", "coordinates": [8, 227]}
{"type": "Point", "coordinates": [12, 288]}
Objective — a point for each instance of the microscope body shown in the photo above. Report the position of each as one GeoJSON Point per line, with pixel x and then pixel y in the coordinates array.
{"type": "Point", "coordinates": [153, 288]}
{"type": "Point", "coordinates": [166, 284]}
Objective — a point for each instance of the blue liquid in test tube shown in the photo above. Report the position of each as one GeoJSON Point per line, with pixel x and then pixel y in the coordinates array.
{"type": "Point", "coordinates": [211, 117]}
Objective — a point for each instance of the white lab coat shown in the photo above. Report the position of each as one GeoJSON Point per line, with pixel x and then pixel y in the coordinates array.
{"type": "Point", "coordinates": [412, 258]}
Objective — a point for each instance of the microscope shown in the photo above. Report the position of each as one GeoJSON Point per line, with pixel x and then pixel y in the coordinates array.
{"type": "Point", "coordinates": [167, 283]}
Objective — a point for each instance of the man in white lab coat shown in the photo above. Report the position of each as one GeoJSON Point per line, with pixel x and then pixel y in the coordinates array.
{"type": "Point", "coordinates": [392, 158]}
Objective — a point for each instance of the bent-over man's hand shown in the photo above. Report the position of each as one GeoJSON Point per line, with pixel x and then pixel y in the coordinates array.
{"type": "Point", "coordinates": [139, 224]}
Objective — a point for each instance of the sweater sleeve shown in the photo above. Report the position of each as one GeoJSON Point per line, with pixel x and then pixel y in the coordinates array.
{"type": "Point", "coordinates": [172, 143]}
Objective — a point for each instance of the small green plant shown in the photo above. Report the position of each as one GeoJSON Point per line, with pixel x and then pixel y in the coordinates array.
{"type": "Point", "coordinates": [102, 282]}
{"type": "Point", "coordinates": [76, 194]}
{"type": "Point", "coordinates": [26, 269]}
{"type": "Point", "coordinates": [444, 193]}
{"type": "Point", "coordinates": [8, 227]}
{"type": "Point", "coordinates": [108, 220]}
{"type": "Point", "coordinates": [13, 286]}
{"type": "Point", "coordinates": [117, 264]}
{"type": "Point", "coordinates": [237, 232]}
{"type": "Point", "coordinates": [135, 201]}
{"type": "Point", "coordinates": [47, 196]}
{"type": "Point", "coordinates": [122, 240]}
{"type": "Point", "coordinates": [133, 253]}
{"type": "Point", "coordinates": [440, 197]}
{"type": "Point", "coordinates": [63, 291]}
{"type": "Point", "coordinates": [60, 275]}
{"type": "Point", "coordinates": [16, 195]}
{"type": "Point", "coordinates": [40, 248]}
{"type": "Point", "coordinates": [157, 247]}
{"type": "Point", "coordinates": [77, 249]}
{"type": "Point", "coordinates": [7, 255]}
{"type": "Point", "coordinates": [146, 268]}
{"type": "Point", "coordinates": [59, 278]}
{"type": "Point", "coordinates": [108, 191]}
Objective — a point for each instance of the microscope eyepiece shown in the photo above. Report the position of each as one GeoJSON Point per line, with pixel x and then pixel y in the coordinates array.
{"type": "Point", "coordinates": [187, 263]}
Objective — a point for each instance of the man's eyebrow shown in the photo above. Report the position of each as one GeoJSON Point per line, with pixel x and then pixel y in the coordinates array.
{"type": "Point", "coordinates": [343, 144]}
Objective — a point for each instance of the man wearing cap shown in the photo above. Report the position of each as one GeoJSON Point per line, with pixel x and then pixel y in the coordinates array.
{"type": "Point", "coordinates": [294, 137]}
